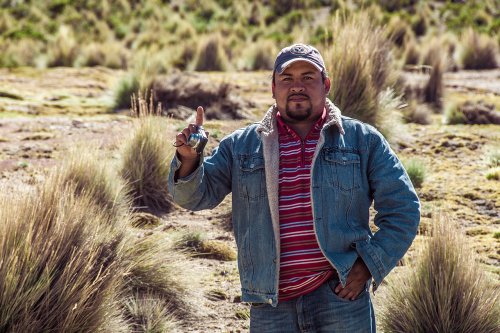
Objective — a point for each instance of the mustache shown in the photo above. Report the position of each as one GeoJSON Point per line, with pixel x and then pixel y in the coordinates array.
{"type": "Point", "coordinates": [297, 95]}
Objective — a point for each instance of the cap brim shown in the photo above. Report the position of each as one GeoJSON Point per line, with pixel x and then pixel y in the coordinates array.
{"type": "Point", "coordinates": [291, 61]}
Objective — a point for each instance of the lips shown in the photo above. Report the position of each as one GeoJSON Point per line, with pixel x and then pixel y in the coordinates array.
{"type": "Point", "coordinates": [297, 98]}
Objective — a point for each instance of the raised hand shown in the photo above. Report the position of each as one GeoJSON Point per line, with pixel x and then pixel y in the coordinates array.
{"type": "Point", "coordinates": [185, 151]}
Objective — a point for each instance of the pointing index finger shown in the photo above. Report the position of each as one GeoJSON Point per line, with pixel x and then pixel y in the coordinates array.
{"type": "Point", "coordinates": [200, 114]}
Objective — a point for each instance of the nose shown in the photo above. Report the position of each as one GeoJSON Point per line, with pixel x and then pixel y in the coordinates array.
{"type": "Point", "coordinates": [297, 87]}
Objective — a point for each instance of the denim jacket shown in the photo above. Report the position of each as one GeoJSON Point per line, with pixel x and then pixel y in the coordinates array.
{"type": "Point", "coordinates": [352, 167]}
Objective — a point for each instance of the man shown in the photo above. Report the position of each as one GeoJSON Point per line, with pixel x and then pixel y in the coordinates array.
{"type": "Point", "coordinates": [302, 182]}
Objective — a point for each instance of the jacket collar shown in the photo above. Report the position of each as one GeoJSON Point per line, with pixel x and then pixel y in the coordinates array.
{"type": "Point", "coordinates": [268, 123]}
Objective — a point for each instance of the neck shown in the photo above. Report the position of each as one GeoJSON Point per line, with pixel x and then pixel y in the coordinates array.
{"type": "Point", "coordinates": [302, 129]}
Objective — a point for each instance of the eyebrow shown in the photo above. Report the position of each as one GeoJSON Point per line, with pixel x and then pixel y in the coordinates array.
{"type": "Point", "coordinates": [288, 74]}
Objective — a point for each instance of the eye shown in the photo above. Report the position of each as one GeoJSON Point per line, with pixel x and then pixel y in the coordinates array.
{"type": "Point", "coordinates": [308, 78]}
{"type": "Point", "coordinates": [286, 78]}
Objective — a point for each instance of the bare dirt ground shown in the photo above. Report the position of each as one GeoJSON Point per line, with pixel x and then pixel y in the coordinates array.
{"type": "Point", "coordinates": [45, 113]}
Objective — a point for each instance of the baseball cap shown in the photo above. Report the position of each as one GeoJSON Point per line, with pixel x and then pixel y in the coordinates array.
{"type": "Point", "coordinates": [296, 52]}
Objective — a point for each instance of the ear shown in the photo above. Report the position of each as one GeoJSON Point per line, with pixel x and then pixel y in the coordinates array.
{"type": "Point", "coordinates": [327, 85]}
{"type": "Point", "coordinates": [273, 85]}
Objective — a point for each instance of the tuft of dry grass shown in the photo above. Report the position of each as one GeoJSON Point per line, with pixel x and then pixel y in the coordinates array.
{"type": "Point", "coordinates": [477, 51]}
{"type": "Point", "coordinates": [434, 88]}
{"type": "Point", "coordinates": [445, 291]}
{"type": "Point", "coordinates": [398, 31]}
{"type": "Point", "coordinates": [146, 157]}
{"type": "Point", "coordinates": [148, 313]}
{"type": "Point", "coordinates": [89, 176]}
{"type": "Point", "coordinates": [360, 65]}
{"type": "Point", "coordinates": [471, 112]}
{"type": "Point", "coordinates": [411, 54]}
{"type": "Point", "coordinates": [416, 171]}
{"type": "Point", "coordinates": [195, 243]}
{"type": "Point", "coordinates": [60, 261]}
{"type": "Point", "coordinates": [417, 113]}
{"type": "Point", "coordinates": [211, 55]}
{"type": "Point", "coordinates": [109, 54]}
{"type": "Point", "coordinates": [260, 56]}
{"type": "Point", "coordinates": [145, 220]}
{"type": "Point", "coordinates": [150, 275]}
{"type": "Point", "coordinates": [63, 49]}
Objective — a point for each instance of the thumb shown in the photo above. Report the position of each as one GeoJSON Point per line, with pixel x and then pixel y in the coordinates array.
{"type": "Point", "coordinates": [200, 115]}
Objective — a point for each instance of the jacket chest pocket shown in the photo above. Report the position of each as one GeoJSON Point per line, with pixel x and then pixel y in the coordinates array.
{"type": "Point", "coordinates": [251, 182]}
{"type": "Point", "coordinates": [343, 168]}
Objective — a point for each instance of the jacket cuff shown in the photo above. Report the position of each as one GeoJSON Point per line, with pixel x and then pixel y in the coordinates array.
{"type": "Point", "coordinates": [371, 259]}
{"type": "Point", "coordinates": [176, 164]}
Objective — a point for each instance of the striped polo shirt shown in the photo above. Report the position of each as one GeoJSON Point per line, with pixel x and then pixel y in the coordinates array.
{"type": "Point", "coordinates": [303, 267]}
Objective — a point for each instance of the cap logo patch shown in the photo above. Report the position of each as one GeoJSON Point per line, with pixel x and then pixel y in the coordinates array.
{"type": "Point", "coordinates": [300, 49]}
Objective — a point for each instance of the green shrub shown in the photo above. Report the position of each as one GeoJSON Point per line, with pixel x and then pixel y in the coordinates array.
{"type": "Point", "coordinates": [478, 51]}
{"type": "Point", "coordinates": [360, 67]}
{"type": "Point", "coordinates": [146, 162]}
{"type": "Point", "coordinates": [416, 170]}
{"type": "Point", "coordinates": [444, 291]}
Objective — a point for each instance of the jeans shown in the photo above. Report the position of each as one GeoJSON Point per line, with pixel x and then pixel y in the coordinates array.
{"type": "Point", "coordinates": [320, 311]}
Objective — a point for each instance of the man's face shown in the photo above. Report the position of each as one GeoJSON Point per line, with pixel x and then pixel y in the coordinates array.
{"type": "Point", "coordinates": [300, 92]}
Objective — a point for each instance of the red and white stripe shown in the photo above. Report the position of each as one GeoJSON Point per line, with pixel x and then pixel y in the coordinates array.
{"type": "Point", "coordinates": [303, 266]}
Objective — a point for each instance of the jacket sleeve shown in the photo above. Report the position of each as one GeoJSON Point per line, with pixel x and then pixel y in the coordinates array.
{"type": "Point", "coordinates": [208, 185]}
{"type": "Point", "coordinates": [397, 206]}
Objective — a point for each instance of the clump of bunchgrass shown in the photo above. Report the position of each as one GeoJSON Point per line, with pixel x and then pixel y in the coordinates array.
{"type": "Point", "coordinates": [434, 88]}
{"type": "Point", "coordinates": [260, 56]}
{"type": "Point", "coordinates": [444, 291]}
{"type": "Point", "coordinates": [150, 274]}
{"type": "Point", "coordinates": [146, 160]}
{"type": "Point", "coordinates": [196, 244]}
{"type": "Point", "coordinates": [63, 49]}
{"type": "Point", "coordinates": [148, 313]}
{"type": "Point", "coordinates": [144, 220]}
{"type": "Point", "coordinates": [493, 174]}
{"type": "Point", "coordinates": [471, 112]}
{"type": "Point", "coordinates": [477, 51]}
{"type": "Point", "coordinates": [127, 86]}
{"type": "Point", "coordinates": [360, 65]}
{"type": "Point", "coordinates": [211, 55]}
{"type": "Point", "coordinates": [416, 171]}
{"type": "Point", "coordinates": [416, 113]}
{"type": "Point", "coordinates": [493, 158]}
{"type": "Point", "coordinates": [61, 261]}
{"type": "Point", "coordinates": [89, 176]}
{"type": "Point", "coordinates": [453, 115]}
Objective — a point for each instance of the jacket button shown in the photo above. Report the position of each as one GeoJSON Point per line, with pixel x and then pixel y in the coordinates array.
{"type": "Point", "coordinates": [274, 260]}
{"type": "Point", "coordinates": [270, 301]}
